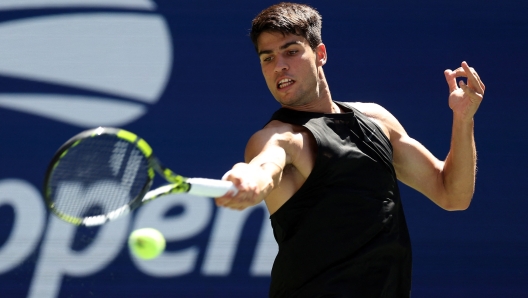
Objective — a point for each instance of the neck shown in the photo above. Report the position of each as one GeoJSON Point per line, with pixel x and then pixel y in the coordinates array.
{"type": "Point", "coordinates": [322, 102]}
{"type": "Point", "coordinates": [335, 108]}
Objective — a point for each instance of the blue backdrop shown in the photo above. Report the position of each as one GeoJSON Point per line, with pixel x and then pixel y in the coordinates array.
{"type": "Point", "coordinates": [184, 76]}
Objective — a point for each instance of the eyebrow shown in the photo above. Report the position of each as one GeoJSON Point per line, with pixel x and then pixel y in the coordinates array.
{"type": "Point", "coordinates": [284, 46]}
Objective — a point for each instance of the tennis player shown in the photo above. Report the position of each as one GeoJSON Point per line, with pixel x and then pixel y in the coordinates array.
{"type": "Point", "coordinates": [327, 170]}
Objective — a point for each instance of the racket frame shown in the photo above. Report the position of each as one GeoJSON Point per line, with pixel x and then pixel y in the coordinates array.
{"type": "Point", "coordinates": [178, 183]}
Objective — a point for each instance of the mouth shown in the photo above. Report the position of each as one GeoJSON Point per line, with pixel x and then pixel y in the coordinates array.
{"type": "Point", "coordinates": [284, 83]}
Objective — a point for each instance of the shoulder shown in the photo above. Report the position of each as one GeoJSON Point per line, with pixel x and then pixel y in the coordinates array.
{"type": "Point", "coordinates": [277, 134]}
{"type": "Point", "coordinates": [277, 130]}
{"type": "Point", "coordinates": [371, 110]}
{"type": "Point", "coordinates": [381, 116]}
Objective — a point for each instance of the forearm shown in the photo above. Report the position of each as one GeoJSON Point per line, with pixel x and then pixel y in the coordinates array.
{"type": "Point", "coordinates": [255, 180]}
{"type": "Point", "coordinates": [459, 170]}
{"type": "Point", "coordinates": [271, 176]}
{"type": "Point", "coordinates": [268, 166]}
{"type": "Point", "coordinates": [265, 176]}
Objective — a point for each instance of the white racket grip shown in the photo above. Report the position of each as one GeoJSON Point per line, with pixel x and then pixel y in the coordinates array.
{"type": "Point", "coordinates": [210, 187]}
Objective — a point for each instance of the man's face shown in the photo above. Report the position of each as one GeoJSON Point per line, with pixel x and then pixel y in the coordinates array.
{"type": "Point", "coordinates": [290, 68]}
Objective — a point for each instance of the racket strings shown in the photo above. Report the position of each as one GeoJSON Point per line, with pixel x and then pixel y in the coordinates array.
{"type": "Point", "coordinates": [99, 175]}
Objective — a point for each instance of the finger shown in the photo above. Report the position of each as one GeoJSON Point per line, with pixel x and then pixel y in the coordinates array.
{"type": "Point", "coordinates": [226, 203]}
{"type": "Point", "coordinates": [480, 81]}
{"type": "Point", "coordinates": [226, 175]}
{"type": "Point", "coordinates": [235, 205]}
{"type": "Point", "coordinates": [459, 72]}
{"type": "Point", "coordinates": [473, 96]}
{"type": "Point", "coordinates": [473, 79]}
{"type": "Point", "coordinates": [221, 202]}
{"type": "Point", "coordinates": [231, 197]}
{"type": "Point", "coordinates": [451, 80]}
{"type": "Point", "coordinates": [230, 176]}
{"type": "Point", "coordinates": [481, 84]}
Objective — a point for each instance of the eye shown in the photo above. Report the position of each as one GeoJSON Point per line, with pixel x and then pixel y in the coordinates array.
{"type": "Point", "coordinates": [292, 52]}
{"type": "Point", "coordinates": [267, 59]}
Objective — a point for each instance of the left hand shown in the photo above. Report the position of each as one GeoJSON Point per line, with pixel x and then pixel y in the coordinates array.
{"type": "Point", "coordinates": [464, 100]}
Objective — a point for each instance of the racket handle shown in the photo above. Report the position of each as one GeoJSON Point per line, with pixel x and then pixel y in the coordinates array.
{"type": "Point", "coordinates": [210, 187]}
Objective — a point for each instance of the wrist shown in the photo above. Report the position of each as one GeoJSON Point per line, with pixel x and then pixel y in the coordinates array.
{"type": "Point", "coordinates": [463, 119]}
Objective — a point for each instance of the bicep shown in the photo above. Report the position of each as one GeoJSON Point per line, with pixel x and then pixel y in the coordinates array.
{"type": "Point", "coordinates": [415, 165]}
{"type": "Point", "coordinates": [418, 168]}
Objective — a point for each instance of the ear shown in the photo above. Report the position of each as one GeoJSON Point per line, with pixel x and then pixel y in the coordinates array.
{"type": "Point", "coordinates": [321, 55]}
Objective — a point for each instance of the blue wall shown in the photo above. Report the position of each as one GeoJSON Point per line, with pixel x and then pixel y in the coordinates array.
{"type": "Point", "coordinates": [184, 76]}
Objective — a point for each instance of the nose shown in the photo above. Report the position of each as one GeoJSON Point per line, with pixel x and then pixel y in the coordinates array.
{"type": "Point", "coordinates": [281, 64]}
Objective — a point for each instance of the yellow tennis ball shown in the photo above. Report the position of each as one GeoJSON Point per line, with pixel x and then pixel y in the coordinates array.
{"type": "Point", "coordinates": [146, 243]}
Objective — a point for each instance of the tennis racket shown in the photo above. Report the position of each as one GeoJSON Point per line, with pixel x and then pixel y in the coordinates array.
{"type": "Point", "coordinates": [104, 173]}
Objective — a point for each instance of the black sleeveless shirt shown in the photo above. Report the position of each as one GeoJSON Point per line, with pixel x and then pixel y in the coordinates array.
{"type": "Point", "coordinates": [343, 233]}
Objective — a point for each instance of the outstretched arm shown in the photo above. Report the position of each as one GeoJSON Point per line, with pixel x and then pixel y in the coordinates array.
{"type": "Point", "coordinates": [450, 183]}
{"type": "Point", "coordinates": [255, 179]}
